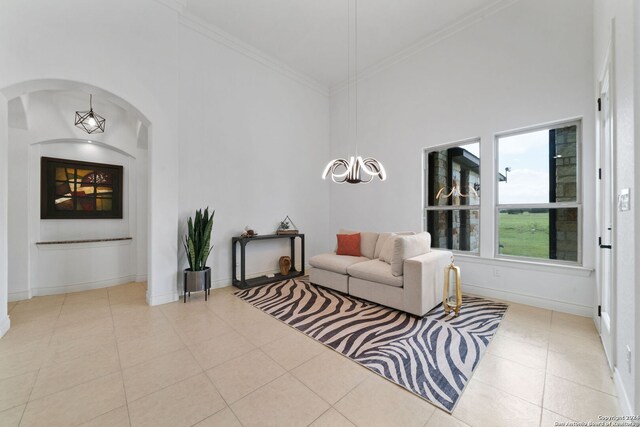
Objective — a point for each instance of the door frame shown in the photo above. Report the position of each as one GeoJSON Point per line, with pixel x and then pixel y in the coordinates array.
{"type": "Point", "coordinates": [607, 67]}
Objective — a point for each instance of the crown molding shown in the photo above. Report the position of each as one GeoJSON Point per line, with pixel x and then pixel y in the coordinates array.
{"type": "Point", "coordinates": [220, 36]}
{"type": "Point", "coordinates": [226, 39]}
{"type": "Point", "coordinates": [428, 41]}
{"type": "Point", "coordinates": [175, 5]}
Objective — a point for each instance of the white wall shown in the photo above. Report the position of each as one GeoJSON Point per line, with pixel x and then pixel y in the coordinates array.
{"type": "Point", "coordinates": [4, 142]}
{"type": "Point", "coordinates": [252, 145]}
{"type": "Point", "coordinates": [625, 235]}
{"type": "Point", "coordinates": [636, 196]}
{"type": "Point", "coordinates": [527, 64]}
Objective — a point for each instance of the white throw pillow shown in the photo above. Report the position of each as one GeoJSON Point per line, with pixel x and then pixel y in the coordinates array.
{"type": "Point", "coordinates": [405, 247]}
{"type": "Point", "coordinates": [382, 239]}
{"type": "Point", "coordinates": [386, 253]}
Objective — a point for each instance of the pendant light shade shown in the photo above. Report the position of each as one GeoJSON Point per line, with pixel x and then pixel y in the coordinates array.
{"type": "Point", "coordinates": [89, 121]}
{"type": "Point", "coordinates": [356, 170]}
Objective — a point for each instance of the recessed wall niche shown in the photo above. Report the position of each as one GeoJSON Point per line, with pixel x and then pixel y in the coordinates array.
{"type": "Point", "coordinates": [41, 125]}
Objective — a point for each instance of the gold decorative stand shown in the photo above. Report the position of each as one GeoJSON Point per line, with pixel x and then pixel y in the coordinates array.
{"type": "Point", "coordinates": [448, 302]}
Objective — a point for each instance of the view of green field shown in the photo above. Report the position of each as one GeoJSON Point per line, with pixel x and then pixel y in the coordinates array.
{"type": "Point", "coordinates": [524, 234]}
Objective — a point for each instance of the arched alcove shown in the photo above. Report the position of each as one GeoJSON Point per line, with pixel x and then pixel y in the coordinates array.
{"type": "Point", "coordinates": [40, 123]}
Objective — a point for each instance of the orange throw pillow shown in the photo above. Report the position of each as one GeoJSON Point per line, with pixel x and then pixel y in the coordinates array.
{"type": "Point", "coordinates": [348, 244]}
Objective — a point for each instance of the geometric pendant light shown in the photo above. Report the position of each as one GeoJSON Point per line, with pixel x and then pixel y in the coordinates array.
{"type": "Point", "coordinates": [89, 121]}
{"type": "Point", "coordinates": [356, 170]}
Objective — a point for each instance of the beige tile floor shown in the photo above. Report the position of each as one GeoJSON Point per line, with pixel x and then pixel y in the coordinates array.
{"type": "Point", "coordinates": [104, 358]}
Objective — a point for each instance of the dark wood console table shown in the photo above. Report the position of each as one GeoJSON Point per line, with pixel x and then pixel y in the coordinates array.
{"type": "Point", "coordinates": [245, 283]}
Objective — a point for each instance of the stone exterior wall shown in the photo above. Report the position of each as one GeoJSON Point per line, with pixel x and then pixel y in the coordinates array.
{"type": "Point", "coordinates": [566, 220]}
{"type": "Point", "coordinates": [465, 224]}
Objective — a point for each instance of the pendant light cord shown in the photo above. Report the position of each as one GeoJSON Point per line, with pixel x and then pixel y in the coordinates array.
{"type": "Point", "coordinates": [356, 70]}
{"type": "Point", "coordinates": [348, 74]}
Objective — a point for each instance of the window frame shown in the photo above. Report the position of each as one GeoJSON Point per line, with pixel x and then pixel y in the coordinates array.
{"type": "Point", "coordinates": [425, 188]}
{"type": "Point", "coordinates": [577, 204]}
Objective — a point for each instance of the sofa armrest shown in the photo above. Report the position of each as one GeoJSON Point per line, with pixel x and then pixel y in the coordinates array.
{"type": "Point", "coordinates": [424, 281]}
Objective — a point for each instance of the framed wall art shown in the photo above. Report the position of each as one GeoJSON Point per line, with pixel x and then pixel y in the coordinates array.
{"type": "Point", "coordinates": [72, 189]}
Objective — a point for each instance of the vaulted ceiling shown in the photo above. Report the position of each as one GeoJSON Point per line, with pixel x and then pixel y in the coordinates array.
{"type": "Point", "coordinates": [310, 36]}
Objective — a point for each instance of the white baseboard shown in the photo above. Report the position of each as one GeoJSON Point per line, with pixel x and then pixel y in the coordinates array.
{"type": "Point", "coordinates": [5, 324]}
{"type": "Point", "coordinates": [623, 397]}
{"type": "Point", "coordinates": [549, 304]}
{"type": "Point", "coordinates": [162, 299]}
{"type": "Point", "coordinates": [87, 286]}
{"type": "Point", "coordinates": [19, 296]}
{"type": "Point", "coordinates": [141, 278]}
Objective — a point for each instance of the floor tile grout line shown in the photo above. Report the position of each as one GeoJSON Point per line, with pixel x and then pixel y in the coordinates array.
{"type": "Point", "coordinates": [227, 405]}
{"type": "Point", "coordinates": [320, 416]}
{"type": "Point", "coordinates": [19, 375]}
{"type": "Point", "coordinates": [544, 383]}
{"type": "Point", "coordinates": [290, 372]}
{"type": "Point", "coordinates": [124, 389]}
{"type": "Point", "coordinates": [216, 412]}
{"type": "Point", "coordinates": [511, 394]}
{"type": "Point", "coordinates": [23, 411]}
{"type": "Point", "coordinates": [35, 379]}
{"type": "Point", "coordinates": [167, 385]}
{"type": "Point", "coordinates": [582, 385]}
{"type": "Point", "coordinates": [343, 414]}
{"type": "Point", "coordinates": [515, 361]}
{"type": "Point", "coordinates": [69, 387]}
{"type": "Point", "coordinates": [342, 397]}
{"type": "Point", "coordinates": [429, 418]}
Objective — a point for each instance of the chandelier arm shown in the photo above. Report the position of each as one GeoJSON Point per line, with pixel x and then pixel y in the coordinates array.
{"type": "Point", "coordinates": [373, 167]}
{"type": "Point", "coordinates": [332, 169]}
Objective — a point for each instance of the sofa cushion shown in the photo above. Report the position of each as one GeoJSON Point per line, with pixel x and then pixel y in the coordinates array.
{"type": "Point", "coordinates": [368, 242]}
{"type": "Point", "coordinates": [375, 271]}
{"type": "Point", "coordinates": [386, 253]}
{"type": "Point", "coordinates": [335, 263]}
{"type": "Point", "coordinates": [348, 244]}
{"type": "Point", "coordinates": [405, 247]}
{"type": "Point", "coordinates": [382, 239]}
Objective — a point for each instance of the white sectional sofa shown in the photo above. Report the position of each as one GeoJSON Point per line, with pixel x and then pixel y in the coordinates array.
{"type": "Point", "coordinates": [398, 270]}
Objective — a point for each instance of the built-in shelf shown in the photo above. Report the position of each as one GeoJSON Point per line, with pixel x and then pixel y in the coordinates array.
{"type": "Point", "coordinates": [68, 242]}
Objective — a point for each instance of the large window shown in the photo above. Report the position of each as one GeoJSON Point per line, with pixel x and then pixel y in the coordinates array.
{"type": "Point", "coordinates": [539, 201]}
{"type": "Point", "coordinates": [452, 196]}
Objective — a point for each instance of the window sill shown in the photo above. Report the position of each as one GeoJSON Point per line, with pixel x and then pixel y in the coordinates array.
{"type": "Point", "coordinates": [573, 270]}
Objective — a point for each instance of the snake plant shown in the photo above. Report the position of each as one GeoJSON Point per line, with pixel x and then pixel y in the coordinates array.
{"type": "Point", "coordinates": [198, 239]}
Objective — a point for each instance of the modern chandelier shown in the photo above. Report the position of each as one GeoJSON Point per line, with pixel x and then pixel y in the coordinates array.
{"type": "Point", "coordinates": [356, 170]}
{"type": "Point", "coordinates": [89, 121]}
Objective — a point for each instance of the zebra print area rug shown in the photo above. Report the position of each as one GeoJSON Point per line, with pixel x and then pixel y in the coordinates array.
{"type": "Point", "coordinates": [432, 356]}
